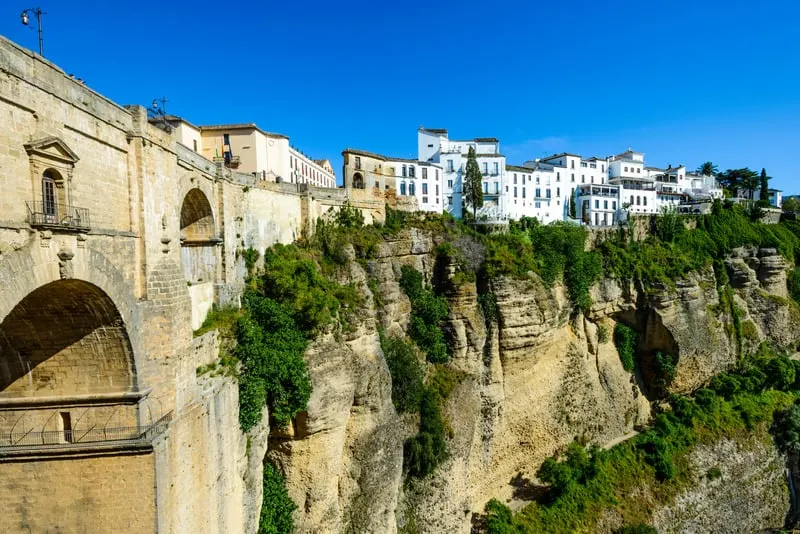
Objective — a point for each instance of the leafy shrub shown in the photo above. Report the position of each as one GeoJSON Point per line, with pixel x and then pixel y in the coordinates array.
{"type": "Point", "coordinates": [250, 256]}
{"type": "Point", "coordinates": [407, 374]}
{"type": "Point", "coordinates": [292, 277]}
{"type": "Point", "coordinates": [780, 373]}
{"type": "Point", "coordinates": [714, 473]}
{"type": "Point", "coordinates": [665, 367]}
{"type": "Point", "coordinates": [427, 313]}
{"type": "Point", "coordinates": [579, 466]}
{"type": "Point", "coordinates": [270, 347]}
{"type": "Point", "coordinates": [499, 518]}
{"type": "Point", "coordinates": [348, 216]}
{"type": "Point", "coordinates": [425, 451]}
{"type": "Point", "coordinates": [625, 339]}
{"type": "Point", "coordinates": [509, 254]}
{"type": "Point", "coordinates": [276, 505]}
{"type": "Point", "coordinates": [786, 429]}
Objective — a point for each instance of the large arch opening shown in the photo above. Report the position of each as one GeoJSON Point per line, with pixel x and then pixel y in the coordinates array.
{"type": "Point", "coordinates": [358, 181]}
{"type": "Point", "coordinates": [198, 242]}
{"type": "Point", "coordinates": [65, 339]}
{"type": "Point", "coordinates": [198, 253]}
{"type": "Point", "coordinates": [197, 218]}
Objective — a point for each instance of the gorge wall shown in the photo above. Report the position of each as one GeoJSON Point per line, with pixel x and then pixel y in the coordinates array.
{"type": "Point", "coordinates": [530, 382]}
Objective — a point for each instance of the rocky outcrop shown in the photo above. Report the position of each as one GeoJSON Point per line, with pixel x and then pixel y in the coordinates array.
{"type": "Point", "coordinates": [530, 382]}
{"type": "Point", "coordinates": [736, 486]}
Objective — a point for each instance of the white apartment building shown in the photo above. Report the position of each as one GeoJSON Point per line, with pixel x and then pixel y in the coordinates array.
{"type": "Point", "coordinates": [249, 149]}
{"type": "Point", "coordinates": [421, 180]}
{"type": "Point", "coordinates": [634, 188]}
{"type": "Point", "coordinates": [775, 197]}
{"type": "Point", "coordinates": [434, 145]}
{"type": "Point", "coordinates": [567, 172]}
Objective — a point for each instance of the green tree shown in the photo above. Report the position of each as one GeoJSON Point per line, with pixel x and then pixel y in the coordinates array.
{"type": "Point", "coordinates": [708, 169]}
{"type": "Point", "coordinates": [473, 183]}
{"type": "Point", "coordinates": [763, 193]}
{"type": "Point", "coordinates": [276, 506]}
{"type": "Point", "coordinates": [735, 180]}
{"type": "Point", "coordinates": [749, 181]}
{"type": "Point", "coordinates": [791, 204]}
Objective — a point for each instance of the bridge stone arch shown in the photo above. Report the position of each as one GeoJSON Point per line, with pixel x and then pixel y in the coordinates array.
{"type": "Point", "coordinates": [200, 251]}
{"type": "Point", "coordinates": [65, 338]}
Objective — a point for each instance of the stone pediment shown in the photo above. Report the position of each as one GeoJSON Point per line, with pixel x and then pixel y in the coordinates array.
{"type": "Point", "coordinates": [52, 148]}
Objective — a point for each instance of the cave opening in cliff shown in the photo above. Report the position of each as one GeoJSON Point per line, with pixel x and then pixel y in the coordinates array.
{"type": "Point", "coordinates": [65, 338]}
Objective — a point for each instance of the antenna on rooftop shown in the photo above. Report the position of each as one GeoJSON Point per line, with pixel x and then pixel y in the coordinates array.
{"type": "Point", "coordinates": [157, 112]}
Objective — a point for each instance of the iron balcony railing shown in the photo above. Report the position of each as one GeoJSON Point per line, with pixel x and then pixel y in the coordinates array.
{"type": "Point", "coordinates": [92, 435]}
{"type": "Point", "coordinates": [57, 215]}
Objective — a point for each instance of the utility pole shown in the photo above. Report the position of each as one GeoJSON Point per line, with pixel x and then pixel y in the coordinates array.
{"type": "Point", "coordinates": [36, 11]}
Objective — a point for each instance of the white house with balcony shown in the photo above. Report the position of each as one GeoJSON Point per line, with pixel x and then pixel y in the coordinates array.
{"type": "Point", "coordinates": [434, 145]}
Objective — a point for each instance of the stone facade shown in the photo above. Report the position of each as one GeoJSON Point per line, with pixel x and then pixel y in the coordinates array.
{"type": "Point", "coordinates": [115, 241]}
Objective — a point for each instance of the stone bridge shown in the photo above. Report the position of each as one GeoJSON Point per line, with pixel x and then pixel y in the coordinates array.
{"type": "Point", "coordinates": [115, 241]}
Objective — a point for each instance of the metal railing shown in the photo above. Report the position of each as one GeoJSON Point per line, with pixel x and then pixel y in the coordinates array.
{"type": "Point", "coordinates": [57, 215]}
{"type": "Point", "coordinates": [66, 438]}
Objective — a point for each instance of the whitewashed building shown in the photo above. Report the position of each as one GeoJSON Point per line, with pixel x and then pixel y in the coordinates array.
{"type": "Point", "coordinates": [775, 197]}
{"type": "Point", "coordinates": [434, 145]}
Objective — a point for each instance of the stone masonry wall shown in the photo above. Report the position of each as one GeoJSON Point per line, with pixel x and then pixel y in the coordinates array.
{"type": "Point", "coordinates": [85, 495]}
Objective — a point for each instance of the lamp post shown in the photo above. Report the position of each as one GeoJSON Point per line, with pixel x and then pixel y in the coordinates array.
{"type": "Point", "coordinates": [37, 11]}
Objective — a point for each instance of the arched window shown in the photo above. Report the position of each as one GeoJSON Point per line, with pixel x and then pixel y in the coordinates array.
{"type": "Point", "coordinates": [638, 170]}
{"type": "Point", "coordinates": [411, 189]}
{"type": "Point", "coordinates": [638, 201]}
{"type": "Point", "coordinates": [403, 188]}
{"type": "Point", "coordinates": [631, 200]}
{"type": "Point", "coordinates": [645, 201]}
{"type": "Point", "coordinates": [404, 171]}
{"type": "Point", "coordinates": [626, 169]}
{"type": "Point", "coordinates": [358, 181]}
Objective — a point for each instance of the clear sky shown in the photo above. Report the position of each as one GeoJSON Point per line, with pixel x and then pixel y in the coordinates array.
{"type": "Point", "coordinates": [682, 81]}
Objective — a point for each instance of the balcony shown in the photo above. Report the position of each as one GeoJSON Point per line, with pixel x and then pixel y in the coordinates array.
{"type": "Point", "coordinates": [57, 216]}
{"type": "Point", "coordinates": [15, 443]}
{"type": "Point", "coordinates": [231, 162]}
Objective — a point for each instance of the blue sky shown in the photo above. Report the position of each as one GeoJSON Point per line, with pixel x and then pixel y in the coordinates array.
{"type": "Point", "coordinates": [684, 82]}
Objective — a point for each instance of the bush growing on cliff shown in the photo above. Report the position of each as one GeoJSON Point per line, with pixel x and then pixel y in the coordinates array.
{"type": "Point", "coordinates": [657, 456]}
{"type": "Point", "coordinates": [292, 278]}
{"type": "Point", "coordinates": [286, 305]}
{"type": "Point", "coordinates": [406, 372]}
{"type": "Point", "coordinates": [555, 252]}
{"type": "Point", "coordinates": [786, 429]}
{"type": "Point", "coordinates": [270, 346]}
{"type": "Point", "coordinates": [276, 506]}
{"type": "Point", "coordinates": [427, 313]}
{"type": "Point", "coordinates": [625, 341]}
{"type": "Point", "coordinates": [425, 451]}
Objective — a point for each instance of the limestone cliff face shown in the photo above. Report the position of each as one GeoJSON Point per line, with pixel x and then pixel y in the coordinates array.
{"type": "Point", "coordinates": [532, 381]}
{"type": "Point", "coordinates": [737, 486]}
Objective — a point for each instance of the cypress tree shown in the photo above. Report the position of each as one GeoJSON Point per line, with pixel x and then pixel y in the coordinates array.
{"type": "Point", "coordinates": [473, 190]}
{"type": "Point", "coordinates": [764, 192]}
